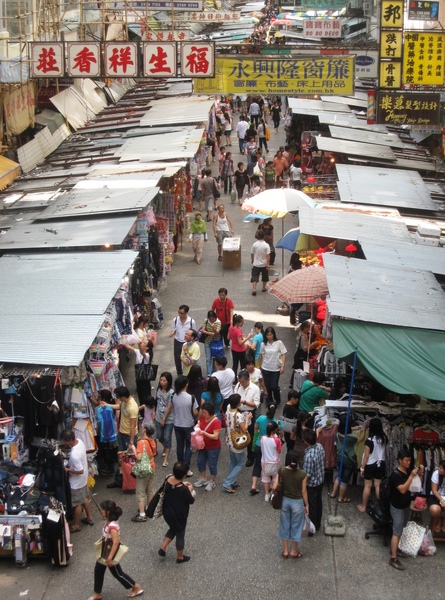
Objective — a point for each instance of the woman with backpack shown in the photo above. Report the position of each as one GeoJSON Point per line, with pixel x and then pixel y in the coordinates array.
{"type": "Point", "coordinates": [144, 484]}
{"type": "Point", "coordinates": [373, 461]}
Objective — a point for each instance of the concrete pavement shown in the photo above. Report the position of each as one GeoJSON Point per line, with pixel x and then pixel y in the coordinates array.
{"type": "Point", "coordinates": [232, 540]}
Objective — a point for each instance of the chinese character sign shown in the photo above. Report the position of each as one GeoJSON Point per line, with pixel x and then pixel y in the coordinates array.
{"type": "Point", "coordinates": [391, 44]}
{"type": "Point", "coordinates": [303, 76]}
{"type": "Point", "coordinates": [83, 59]}
{"type": "Point", "coordinates": [418, 10]}
{"type": "Point", "coordinates": [159, 59]}
{"type": "Point", "coordinates": [391, 13]}
{"type": "Point", "coordinates": [408, 108]}
{"type": "Point", "coordinates": [423, 59]}
{"type": "Point", "coordinates": [390, 75]}
{"type": "Point", "coordinates": [47, 59]}
{"type": "Point", "coordinates": [197, 59]}
{"type": "Point", "coordinates": [214, 16]}
{"type": "Point", "coordinates": [324, 3]}
{"type": "Point", "coordinates": [322, 28]}
{"type": "Point", "coordinates": [164, 35]}
{"type": "Point", "coordinates": [120, 59]}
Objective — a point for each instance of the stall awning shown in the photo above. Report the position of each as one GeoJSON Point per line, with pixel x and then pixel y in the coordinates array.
{"type": "Point", "coordinates": [404, 360]}
{"type": "Point", "coordinates": [55, 303]}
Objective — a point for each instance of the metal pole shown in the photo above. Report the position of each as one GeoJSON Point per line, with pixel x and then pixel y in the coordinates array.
{"type": "Point", "coordinates": [348, 414]}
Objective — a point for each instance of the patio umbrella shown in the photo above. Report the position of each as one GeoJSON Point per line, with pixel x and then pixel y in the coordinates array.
{"type": "Point", "coordinates": [289, 240]}
{"type": "Point", "coordinates": [255, 216]}
{"type": "Point", "coordinates": [304, 285]}
{"type": "Point", "coordinates": [277, 203]}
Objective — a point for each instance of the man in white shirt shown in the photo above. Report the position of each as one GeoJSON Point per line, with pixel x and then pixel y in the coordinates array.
{"type": "Point", "coordinates": [241, 129]}
{"type": "Point", "coordinates": [250, 402]}
{"type": "Point", "coordinates": [179, 326]}
{"type": "Point", "coordinates": [254, 111]}
{"type": "Point", "coordinates": [77, 468]}
{"type": "Point", "coordinates": [226, 378]}
{"type": "Point", "coordinates": [260, 257]}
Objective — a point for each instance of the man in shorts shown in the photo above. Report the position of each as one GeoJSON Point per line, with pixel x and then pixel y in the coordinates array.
{"type": "Point", "coordinates": [400, 503]}
{"type": "Point", "coordinates": [260, 257]}
{"type": "Point", "coordinates": [222, 228]}
{"type": "Point", "coordinates": [77, 468]}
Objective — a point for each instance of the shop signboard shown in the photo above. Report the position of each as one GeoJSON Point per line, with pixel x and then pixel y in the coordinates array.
{"type": "Point", "coordinates": [166, 35]}
{"type": "Point", "coordinates": [177, 5]}
{"type": "Point", "coordinates": [391, 46]}
{"type": "Point", "coordinates": [366, 64]}
{"type": "Point", "coordinates": [327, 75]}
{"type": "Point", "coordinates": [418, 10]}
{"type": "Point", "coordinates": [324, 3]}
{"type": "Point", "coordinates": [405, 108]}
{"type": "Point", "coordinates": [121, 59]}
{"type": "Point", "coordinates": [322, 28]}
{"type": "Point", "coordinates": [423, 59]}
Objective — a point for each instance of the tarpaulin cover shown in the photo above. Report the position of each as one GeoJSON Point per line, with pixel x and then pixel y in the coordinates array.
{"type": "Point", "coordinates": [403, 359]}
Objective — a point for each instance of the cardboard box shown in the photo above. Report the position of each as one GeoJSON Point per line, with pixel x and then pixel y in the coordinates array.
{"type": "Point", "coordinates": [232, 253]}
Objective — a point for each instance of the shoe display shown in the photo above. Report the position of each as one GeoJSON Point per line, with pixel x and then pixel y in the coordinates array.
{"type": "Point", "coordinates": [211, 485]}
{"type": "Point", "coordinates": [395, 562]}
{"type": "Point", "coordinates": [139, 518]}
{"type": "Point", "coordinates": [200, 482]}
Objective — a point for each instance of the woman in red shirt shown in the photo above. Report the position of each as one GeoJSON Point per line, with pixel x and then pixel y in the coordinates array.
{"type": "Point", "coordinates": [239, 345]}
{"type": "Point", "coordinates": [210, 426]}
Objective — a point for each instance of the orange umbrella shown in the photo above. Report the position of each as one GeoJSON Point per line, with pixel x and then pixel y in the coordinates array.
{"type": "Point", "coordinates": [305, 285]}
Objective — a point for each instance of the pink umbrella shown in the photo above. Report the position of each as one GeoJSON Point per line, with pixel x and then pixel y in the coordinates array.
{"type": "Point", "coordinates": [304, 285]}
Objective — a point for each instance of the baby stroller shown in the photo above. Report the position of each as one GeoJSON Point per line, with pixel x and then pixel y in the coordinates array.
{"type": "Point", "coordinates": [379, 512]}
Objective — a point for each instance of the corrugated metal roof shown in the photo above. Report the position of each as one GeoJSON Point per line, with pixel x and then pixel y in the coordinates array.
{"type": "Point", "coordinates": [191, 109]}
{"type": "Point", "coordinates": [349, 120]}
{"type": "Point", "coordinates": [383, 187]}
{"type": "Point", "coordinates": [348, 100]}
{"type": "Point", "coordinates": [299, 104]}
{"type": "Point", "coordinates": [161, 147]}
{"type": "Point", "coordinates": [64, 234]}
{"type": "Point", "coordinates": [355, 148]}
{"type": "Point", "coordinates": [369, 137]}
{"type": "Point", "coordinates": [83, 202]}
{"type": "Point", "coordinates": [381, 293]}
{"type": "Point", "coordinates": [359, 226]}
{"type": "Point", "coordinates": [415, 256]}
{"type": "Point", "coordinates": [60, 317]}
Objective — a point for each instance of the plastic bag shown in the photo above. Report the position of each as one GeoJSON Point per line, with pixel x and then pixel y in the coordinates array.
{"type": "Point", "coordinates": [197, 440]}
{"type": "Point", "coordinates": [428, 547]}
{"type": "Point", "coordinates": [412, 538]}
{"type": "Point", "coordinates": [308, 527]}
{"type": "Point", "coordinates": [416, 485]}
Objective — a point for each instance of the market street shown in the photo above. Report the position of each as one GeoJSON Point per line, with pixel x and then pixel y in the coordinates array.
{"type": "Point", "coordinates": [232, 540]}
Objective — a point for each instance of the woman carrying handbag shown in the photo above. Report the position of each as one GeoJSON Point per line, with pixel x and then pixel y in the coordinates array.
{"type": "Point", "coordinates": [295, 503]}
{"type": "Point", "coordinates": [110, 548]}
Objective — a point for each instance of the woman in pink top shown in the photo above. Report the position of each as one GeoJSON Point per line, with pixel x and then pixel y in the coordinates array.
{"type": "Point", "coordinates": [239, 345]}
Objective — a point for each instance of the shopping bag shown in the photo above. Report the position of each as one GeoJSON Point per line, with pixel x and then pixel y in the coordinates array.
{"type": "Point", "coordinates": [308, 526]}
{"type": "Point", "coordinates": [216, 348]}
{"type": "Point", "coordinates": [412, 538]}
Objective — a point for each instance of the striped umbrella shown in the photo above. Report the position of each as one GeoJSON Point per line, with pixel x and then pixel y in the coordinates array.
{"type": "Point", "coordinates": [305, 285]}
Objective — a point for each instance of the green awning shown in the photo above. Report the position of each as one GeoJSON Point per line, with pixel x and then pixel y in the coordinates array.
{"type": "Point", "coordinates": [403, 359]}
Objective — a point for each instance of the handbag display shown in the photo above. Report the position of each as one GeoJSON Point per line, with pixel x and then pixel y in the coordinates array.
{"type": "Point", "coordinates": [277, 497]}
{"type": "Point", "coordinates": [216, 348]}
{"type": "Point", "coordinates": [144, 372]}
{"type": "Point", "coordinates": [142, 468]}
{"type": "Point", "coordinates": [103, 547]}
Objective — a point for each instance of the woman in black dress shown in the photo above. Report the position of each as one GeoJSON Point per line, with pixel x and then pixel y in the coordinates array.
{"type": "Point", "coordinates": [179, 495]}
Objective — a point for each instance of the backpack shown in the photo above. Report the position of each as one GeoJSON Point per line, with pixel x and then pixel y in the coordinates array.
{"type": "Point", "coordinates": [142, 468]}
{"type": "Point", "coordinates": [240, 440]}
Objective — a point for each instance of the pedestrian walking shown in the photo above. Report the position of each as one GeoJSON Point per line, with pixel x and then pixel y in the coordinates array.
{"type": "Point", "coordinates": [179, 326]}
{"type": "Point", "coordinates": [313, 464]}
{"type": "Point", "coordinates": [273, 361]}
{"type": "Point", "coordinates": [198, 235]}
{"type": "Point", "coordinates": [185, 409]}
{"type": "Point", "coordinates": [235, 420]}
{"type": "Point", "coordinates": [164, 414]}
{"type": "Point", "coordinates": [222, 228]}
{"type": "Point", "coordinates": [223, 306]}
{"type": "Point", "coordinates": [111, 532]}
{"type": "Point", "coordinates": [144, 484]}
{"type": "Point", "coordinates": [209, 427]}
{"type": "Point", "coordinates": [241, 179]}
{"type": "Point", "coordinates": [259, 257]}
{"type": "Point", "coordinates": [179, 495]}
